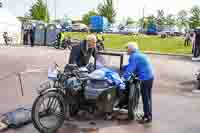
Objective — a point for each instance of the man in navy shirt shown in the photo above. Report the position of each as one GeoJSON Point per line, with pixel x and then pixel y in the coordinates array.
{"type": "Point", "coordinates": [140, 65]}
{"type": "Point", "coordinates": [80, 54]}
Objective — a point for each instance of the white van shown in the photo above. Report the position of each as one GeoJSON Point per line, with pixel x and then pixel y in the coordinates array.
{"type": "Point", "coordinates": [79, 27]}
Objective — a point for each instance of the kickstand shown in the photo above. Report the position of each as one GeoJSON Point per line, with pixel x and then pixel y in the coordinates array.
{"type": "Point", "coordinates": [20, 81]}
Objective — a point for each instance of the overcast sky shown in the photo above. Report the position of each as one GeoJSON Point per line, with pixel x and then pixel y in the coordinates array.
{"type": "Point", "coordinates": [125, 8]}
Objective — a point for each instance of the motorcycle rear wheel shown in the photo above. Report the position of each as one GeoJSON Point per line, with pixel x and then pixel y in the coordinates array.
{"type": "Point", "coordinates": [134, 96]}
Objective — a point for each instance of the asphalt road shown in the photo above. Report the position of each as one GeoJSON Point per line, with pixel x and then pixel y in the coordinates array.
{"type": "Point", "coordinates": [175, 108]}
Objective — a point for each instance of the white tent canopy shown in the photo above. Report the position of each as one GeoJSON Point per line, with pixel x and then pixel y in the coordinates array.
{"type": "Point", "coordinates": [10, 24]}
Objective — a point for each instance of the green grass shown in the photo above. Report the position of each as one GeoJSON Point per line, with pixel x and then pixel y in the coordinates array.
{"type": "Point", "coordinates": [146, 43]}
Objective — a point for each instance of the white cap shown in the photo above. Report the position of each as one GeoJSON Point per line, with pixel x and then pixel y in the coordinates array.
{"type": "Point", "coordinates": [91, 37]}
{"type": "Point", "coordinates": [133, 46]}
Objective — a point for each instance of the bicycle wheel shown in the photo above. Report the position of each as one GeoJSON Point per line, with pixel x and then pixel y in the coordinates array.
{"type": "Point", "coordinates": [48, 112]}
{"type": "Point", "coordinates": [134, 96]}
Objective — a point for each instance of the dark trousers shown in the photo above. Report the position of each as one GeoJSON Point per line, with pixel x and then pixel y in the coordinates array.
{"type": "Point", "coordinates": [146, 92]}
{"type": "Point", "coordinates": [196, 51]}
{"type": "Point", "coordinates": [25, 41]}
{"type": "Point", "coordinates": [32, 42]}
{"type": "Point", "coordinates": [187, 42]}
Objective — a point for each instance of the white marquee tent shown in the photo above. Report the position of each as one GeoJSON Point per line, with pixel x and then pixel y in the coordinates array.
{"type": "Point", "coordinates": [10, 24]}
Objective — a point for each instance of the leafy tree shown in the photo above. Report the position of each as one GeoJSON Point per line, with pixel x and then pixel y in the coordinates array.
{"type": "Point", "coordinates": [182, 19]}
{"type": "Point", "coordinates": [194, 20]}
{"type": "Point", "coordinates": [151, 20]}
{"type": "Point", "coordinates": [160, 19]}
{"type": "Point", "coordinates": [86, 17]}
{"type": "Point", "coordinates": [107, 10]}
{"type": "Point", "coordinates": [170, 20]}
{"type": "Point", "coordinates": [65, 17]}
{"type": "Point", "coordinates": [65, 21]}
{"type": "Point", "coordinates": [143, 22]}
{"type": "Point", "coordinates": [39, 11]}
{"type": "Point", "coordinates": [129, 21]}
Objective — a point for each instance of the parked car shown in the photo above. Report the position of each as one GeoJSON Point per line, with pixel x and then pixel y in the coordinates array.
{"type": "Point", "coordinates": [170, 33]}
{"type": "Point", "coordinates": [67, 28]}
{"type": "Point", "coordinates": [112, 30]}
{"type": "Point", "coordinates": [152, 29]}
{"type": "Point", "coordinates": [80, 27]}
{"type": "Point", "coordinates": [129, 30]}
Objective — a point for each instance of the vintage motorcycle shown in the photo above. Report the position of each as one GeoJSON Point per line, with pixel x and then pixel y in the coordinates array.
{"type": "Point", "coordinates": [74, 90]}
{"type": "Point", "coordinates": [100, 45]}
{"type": "Point", "coordinates": [66, 43]}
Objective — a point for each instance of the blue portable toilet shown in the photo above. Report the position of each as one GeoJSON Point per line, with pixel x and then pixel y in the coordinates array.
{"type": "Point", "coordinates": [98, 23]}
{"type": "Point", "coordinates": [51, 33]}
{"type": "Point", "coordinates": [152, 29]}
{"type": "Point", "coordinates": [39, 34]}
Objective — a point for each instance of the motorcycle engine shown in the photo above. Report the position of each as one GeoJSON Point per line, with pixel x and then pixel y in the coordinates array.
{"type": "Point", "coordinates": [73, 84]}
{"type": "Point", "coordinates": [102, 93]}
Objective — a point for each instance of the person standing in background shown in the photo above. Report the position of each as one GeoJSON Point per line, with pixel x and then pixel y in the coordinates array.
{"type": "Point", "coordinates": [192, 38]}
{"type": "Point", "coordinates": [59, 36]}
{"type": "Point", "coordinates": [196, 48]}
{"type": "Point", "coordinates": [5, 36]}
{"type": "Point", "coordinates": [25, 38]}
{"type": "Point", "coordinates": [187, 39]}
{"type": "Point", "coordinates": [32, 37]}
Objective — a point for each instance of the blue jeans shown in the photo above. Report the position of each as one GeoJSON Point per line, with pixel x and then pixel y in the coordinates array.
{"type": "Point", "coordinates": [146, 92]}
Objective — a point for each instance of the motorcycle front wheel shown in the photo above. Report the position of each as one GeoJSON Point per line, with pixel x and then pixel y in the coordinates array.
{"type": "Point", "coordinates": [56, 45]}
{"type": "Point", "coordinates": [133, 103]}
{"type": "Point", "coordinates": [48, 112]}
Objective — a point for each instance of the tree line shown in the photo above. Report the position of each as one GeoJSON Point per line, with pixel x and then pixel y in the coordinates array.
{"type": "Point", "coordinates": [183, 19]}
{"type": "Point", "coordinates": [39, 11]}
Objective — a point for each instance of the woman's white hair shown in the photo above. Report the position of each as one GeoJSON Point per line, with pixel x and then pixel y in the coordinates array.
{"type": "Point", "coordinates": [133, 46]}
{"type": "Point", "coordinates": [91, 37]}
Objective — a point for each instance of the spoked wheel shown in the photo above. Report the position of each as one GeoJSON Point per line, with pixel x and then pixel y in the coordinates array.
{"type": "Point", "coordinates": [56, 45]}
{"type": "Point", "coordinates": [64, 47]}
{"type": "Point", "coordinates": [69, 47]}
{"type": "Point", "coordinates": [133, 103]}
{"type": "Point", "coordinates": [48, 112]}
{"type": "Point", "coordinates": [100, 47]}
